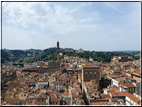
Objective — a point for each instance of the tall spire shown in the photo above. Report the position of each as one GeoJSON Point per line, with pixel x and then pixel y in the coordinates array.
{"type": "Point", "coordinates": [58, 50]}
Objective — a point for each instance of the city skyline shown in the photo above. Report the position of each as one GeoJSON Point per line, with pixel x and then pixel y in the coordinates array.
{"type": "Point", "coordinates": [100, 26]}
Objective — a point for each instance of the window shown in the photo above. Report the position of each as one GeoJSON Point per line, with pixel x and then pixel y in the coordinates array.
{"type": "Point", "coordinates": [129, 89]}
{"type": "Point", "coordinates": [85, 74]}
{"type": "Point", "coordinates": [90, 75]}
{"type": "Point", "coordinates": [95, 75]}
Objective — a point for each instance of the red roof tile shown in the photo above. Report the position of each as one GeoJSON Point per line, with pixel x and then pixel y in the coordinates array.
{"type": "Point", "coordinates": [99, 103]}
{"type": "Point", "coordinates": [133, 97]}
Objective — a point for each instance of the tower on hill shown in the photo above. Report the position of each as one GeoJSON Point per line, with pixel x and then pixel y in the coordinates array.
{"type": "Point", "coordinates": [58, 51]}
{"type": "Point", "coordinates": [54, 66]}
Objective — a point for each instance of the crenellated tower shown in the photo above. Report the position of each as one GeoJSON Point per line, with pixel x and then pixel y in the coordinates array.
{"type": "Point", "coordinates": [58, 51]}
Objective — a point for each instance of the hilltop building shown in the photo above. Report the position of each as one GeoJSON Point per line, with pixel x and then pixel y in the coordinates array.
{"type": "Point", "coordinates": [79, 51]}
{"type": "Point", "coordinates": [122, 58]}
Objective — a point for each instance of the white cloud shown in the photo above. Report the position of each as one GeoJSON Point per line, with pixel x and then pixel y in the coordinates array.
{"type": "Point", "coordinates": [15, 38]}
{"type": "Point", "coordinates": [79, 6]}
{"type": "Point", "coordinates": [39, 14]}
{"type": "Point", "coordinates": [113, 5]}
{"type": "Point", "coordinates": [22, 13]}
{"type": "Point", "coordinates": [40, 24]}
{"type": "Point", "coordinates": [85, 20]}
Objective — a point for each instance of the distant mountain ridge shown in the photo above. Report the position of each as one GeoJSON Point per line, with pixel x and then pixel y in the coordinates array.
{"type": "Point", "coordinates": [50, 53]}
{"type": "Point", "coordinates": [31, 50]}
{"type": "Point", "coordinates": [17, 55]}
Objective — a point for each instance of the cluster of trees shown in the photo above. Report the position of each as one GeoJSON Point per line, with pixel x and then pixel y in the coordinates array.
{"type": "Point", "coordinates": [30, 55]}
{"type": "Point", "coordinates": [136, 57]}
{"type": "Point", "coordinates": [50, 54]}
{"type": "Point", "coordinates": [100, 56]}
{"type": "Point", "coordinates": [5, 57]}
{"type": "Point", "coordinates": [44, 57]}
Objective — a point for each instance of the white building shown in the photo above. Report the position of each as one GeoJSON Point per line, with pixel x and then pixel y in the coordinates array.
{"type": "Point", "coordinates": [132, 100]}
{"type": "Point", "coordinates": [116, 83]}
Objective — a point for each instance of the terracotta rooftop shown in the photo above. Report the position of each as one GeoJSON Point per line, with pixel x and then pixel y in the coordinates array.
{"type": "Point", "coordinates": [77, 96]}
{"type": "Point", "coordinates": [105, 98]}
{"type": "Point", "coordinates": [133, 97]}
{"type": "Point", "coordinates": [92, 91]}
{"type": "Point", "coordinates": [76, 69]}
{"type": "Point", "coordinates": [137, 73]}
{"type": "Point", "coordinates": [14, 101]}
{"type": "Point", "coordinates": [115, 71]}
{"type": "Point", "coordinates": [121, 94]}
{"type": "Point", "coordinates": [128, 85]}
{"type": "Point", "coordinates": [99, 103]}
{"type": "Point", "coordinates": [112, 89]}
{"type": "Point", "coordinates": [42, 95]}
{"type": "Point", "coordinates": [54, 97]}
{"type": "Point", "coordinates": [34, 102]}
{"type": "Point", "coordinates": [113, 76]}
{"type": "Point", "coordinates": [66, 93]}
{"type": "Point", "coordinates": [90, 66]}
{"type": "Point", "coordinates": [120, 79]}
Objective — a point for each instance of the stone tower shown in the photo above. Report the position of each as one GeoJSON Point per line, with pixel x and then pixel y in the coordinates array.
{"type": "Point", "coordinates": [58, 50]}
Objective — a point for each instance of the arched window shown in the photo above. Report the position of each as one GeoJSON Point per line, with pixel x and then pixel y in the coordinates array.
{"type": "Point", "coordinates": [85, 74]}
{"type": "Point", "coordinates": [95, 75]}
{"type": "Point", "coordinates": [90, 75]}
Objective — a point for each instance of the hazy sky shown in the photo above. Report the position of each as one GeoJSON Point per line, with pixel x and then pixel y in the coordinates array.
{"type": "Point", "coordinates": [100, 26]}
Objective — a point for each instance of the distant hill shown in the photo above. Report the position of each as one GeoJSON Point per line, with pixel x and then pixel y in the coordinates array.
{"type": "Point", "coordinates": [24, 55]}
{"type": "Point", "coordinates": [32, 55]}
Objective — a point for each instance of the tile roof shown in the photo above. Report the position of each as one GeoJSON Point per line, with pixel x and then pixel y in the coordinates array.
{"type": "Point", "coordinates": [66, 93]}
{"type": "Point", "coordinates": [113, 76]}
{"type": "Point", "coordinates": [104, 97]}
{"type": "Point", "coordinates": [137, 73]}
{"type": "Point", "coordinates": [13, 101]}
{"type": "Point", "coordinates": [128, 85]}
{"type": "Point", "coordinates": [90, 66]}
{"type": "Point", "coordinates": [133, 97]}
{"type": "Point", "coordinates": [92, 91]}
{"type": "Point", "coordinates": [77, 96]}
{"type": "Point", "coordinates": [54, 97]}
{"type": "Point", "coordinates": [42, 95]}
{"type": "Point", "coordinates": [99, 103]}
{"type": "Point", "coordinates": [116, 71]}
{"type": "Point", "coordinates": [80, 101]}
{"type": "Point", "coordinates": [34, 102]}
{"type": "Point", "coordinates": [124, 94]}
{"type": "Point", "coordinates": [121, 94]}
{"type": "Point", "coordinates": [112, 89]}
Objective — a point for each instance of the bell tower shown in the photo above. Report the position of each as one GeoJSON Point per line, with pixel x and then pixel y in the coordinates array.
{"type": "Point", "coordinates": [58, 50]}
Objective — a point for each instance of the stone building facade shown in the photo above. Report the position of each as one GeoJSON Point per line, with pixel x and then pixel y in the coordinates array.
{"type": "Point", "coordinates": [91, 73]}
